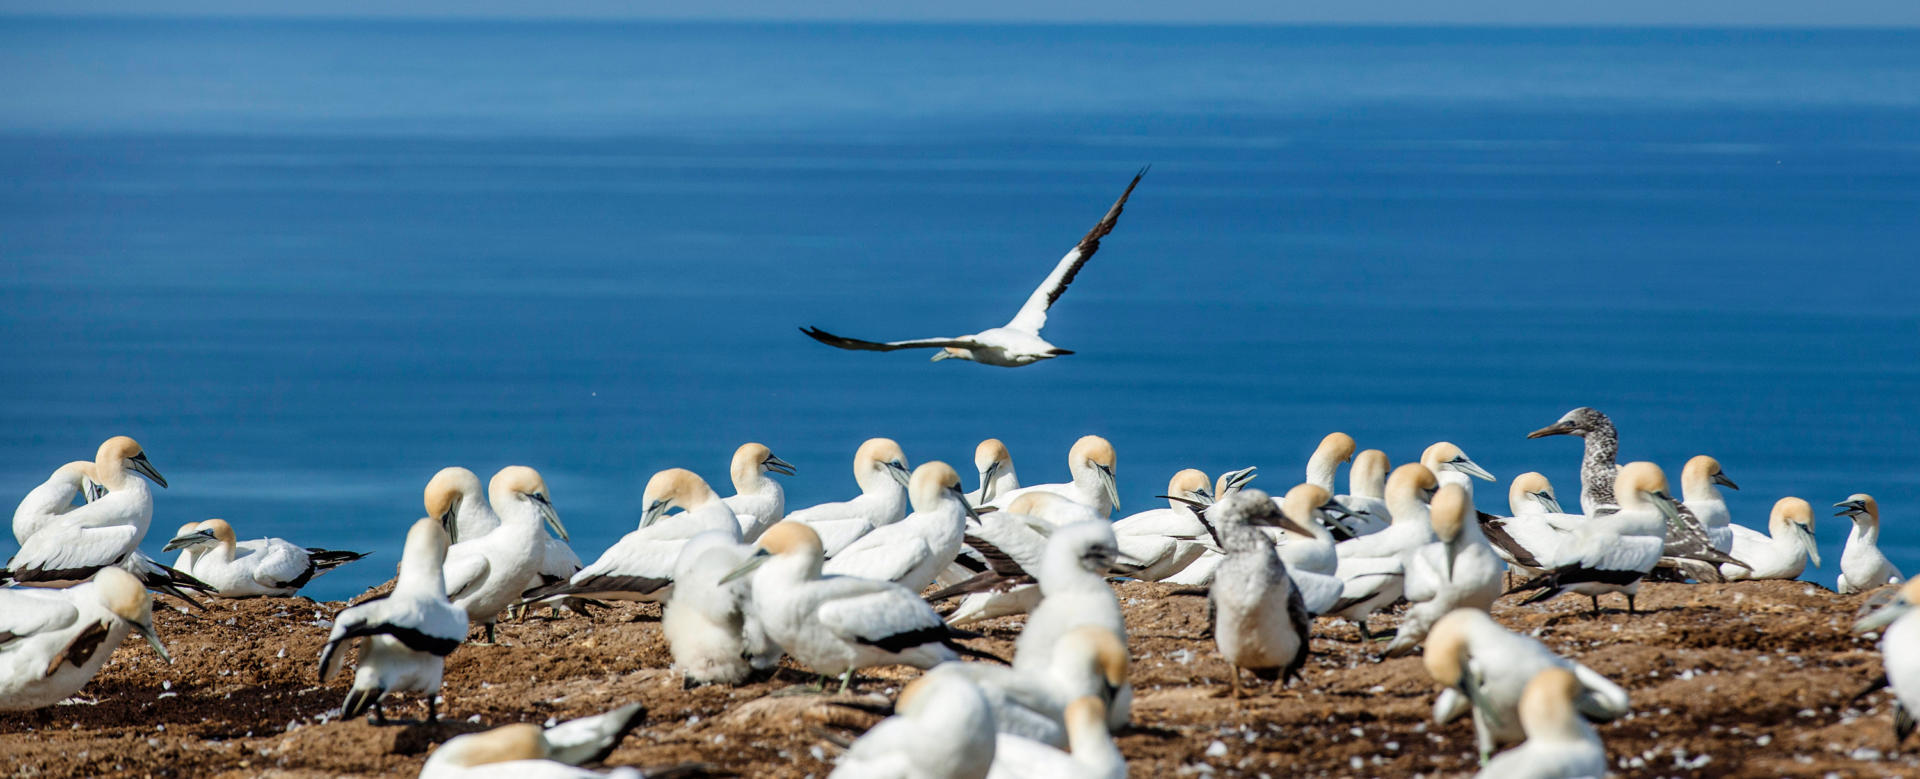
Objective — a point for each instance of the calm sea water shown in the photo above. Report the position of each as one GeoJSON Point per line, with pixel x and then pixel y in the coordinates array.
{"type": "Point", "coordinates": [309, 263]}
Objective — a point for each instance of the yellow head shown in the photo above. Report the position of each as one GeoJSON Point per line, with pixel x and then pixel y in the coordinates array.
{"type": "Point", "coordinates": [989, 452]}
{"type": "Point", "coordinates": [127, 598]}
{"type": "Point", "coordinates": [747, 462]}
{"type": "Point", "coordinates": [1548, 699]}
{"type": "Point", "coordinates": [1084, 713]}
{"type": "Point", "coordinates": [1643, 478]}
{"type": "Point", "coordinates": [120, 454]}
{"type": "Point", "coordinates": [1449, 512]}
{"type": "Point", "coordinates": [931, 482]}
{"type": "Point", "coordinates": [1188, 482]}
{"type": "Point", "coordinates": [1447, 649]}
{"type": "Point", "coordinates": [1412, 481]}
{"type": "Point", "coordinates": [504, 744]}
{"type": "Point", "coordinates": [446, 488]}
{"type": "Point", "coordinates": [1092, 450]}
{"type": "Point", "coordinates": [1302, 501]}
{"type": "Point", "coordinates": [790, 538]}
{"type": "Point", "coordinates": [1337, 447]}
{"type": "Point", "coordinates": [1526, 485]}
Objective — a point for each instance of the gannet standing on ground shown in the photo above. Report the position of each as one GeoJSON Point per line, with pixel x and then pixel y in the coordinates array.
{"type": "Point", "coordinates": [881, 470]}
{"type": "Point", "coordinates": [1167, 540]}
{"type": "Point", "coordinates": [1862, 565]}
{"type": "Point", "coordinates": [710, 627]}
{"type": "Point", "coordinates": [1560, 744]}
{"type": "Point", "coordinates": [997, 478]}
{"type": "Point", "coordinates": [1373, 567]}
{"type": "Point", "coordinates": [485, 575]}
{"type": "Point", "coordinates": [839, 624]}
{"type": "Point", "coordinates": [1700, 484]}
{"type": "Point", "coordinates": [1597, 462]}
{"type": "Point", "coordinates": [758, 501]}
{"type": "Point", "coordinates": [1900, 652]}
{"type": "Point", "coordinates": [1260, 622]}
{"type": "Point", "coordinates": [1091, 462]}
{"type": "Point", "coordinates": [1089, 661]}
{"type": "Point", "coordinates": [264, 567]}
{"type": "Point", "coordinates": [1074, 591]}
{"type": "Point", "coordinates": [405, 636]}
{"type": "Point", "coordinates": [1092, 753]}
{"type": "Point", "coordinates": [52, 641]}
{"type": "Point", "coordinates": [1018, 342]}
{"type": "Point", "coordinates": [51, 500]}
{"type": "Point", "coordinates": [527, 751]}
{"type": "Point", "coordinates": [1781, 555]}
{"type": "Point", "coordinates": [639, 567]}
{"type": "Point", "coordinates": [1485, 669]}
{"type": "Point", "coordinates": [1613, 551]}
{"type": "Point", "coordinates": [1459, 570]}
{"type": "Point", "coordinates": [942, 729]}
{"type": "Point", "coordinates": [911, 552]}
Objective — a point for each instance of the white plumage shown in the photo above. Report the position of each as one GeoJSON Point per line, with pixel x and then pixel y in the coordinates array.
{"type": "Point", "coordinates": [246, 569]}
{"type": "Point", "coordinates": [997, 476]}
{"type": "Point", "coordinates": [1458, 570]}
{"type": "Point", "coordinates": [52, 641]}
{"type": "Point", "coordinates": [526, 751]}
{"type": "Point", "coordinates": [942, 729]}
{"type": "Point", "coordinates": [1700, 484]}
{"type": "Point", "coordinates": [1092, 756]}
{"type": "Point", "coordinates": [50, 500]}
{"type": "Point", "coordinates": [105, 532]}
{"type": "Point", "coordinates": [1089, 661]}
{"type": "Point", "coordinates": [1260, 622]}
{"type": "Point", "coordinates": [1611, 552]}
{"type": "Point", "coordinates": [639, 567]}
{"type": "Point", "coordinates": [1074, 591]}
{"type": "Point", "coordinates": [710, 627]}
{"type": "Point", "coordinates": [487, 574]}
{"type": "Point", "coordinates": [1783, 553]}
{"type": "Point", "coordinates": [881, 470]}
{"type": "Point", "coordinates": [404, 637]}
{"type": "Point", "coordinates": [758, 501]}
{"type": "Point", "coordinates": [1560, 744]}
{"type": "Point", "coordinates": [912, 552]}
{"type": "Point", "coordinates": [1862, 565]}
{"type": "Point", "coordinates": [1091, 464]}
{"type": "Point", "coordinates": [1485, 669]}
{"type": "Point", "coordinates": [1900, 652]}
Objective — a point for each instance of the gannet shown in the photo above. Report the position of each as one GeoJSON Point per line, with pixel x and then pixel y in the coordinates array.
{"type": "Point", "coordinates": [1260, 622]}
{"type": "Point", "coordinates": [487, 574]}
{"type": "Point", "coordinates": [1485, 669]}
{"type": "Point", "coordinates": [758, 501]}
{"type": "Point", "coordinates": [1900, 652]}
{"type": "Point", "coordinates": [1452, 466]}
{"type": "Point", "coordinates": [995, 464]}
{"type": "Point", "coordinates": [1092, 755]}
{"type": "Point", "coordinates": [942, 729]}
{"type": "Point", "coordinates": [1312, 563]}
{"type": "Point", "coordinates": [1532, 495]}
{"type": "Point", "coordinates": [1091, 462]}
{"type": "Point", "coordinates": [1018, 342]}
{"type": "Point", "coordinates": [1597, 467]}
{"type": "Point", "coordinates": [1459, 570]}
{"type": "Point", "coordinates": [187, 553]}
{"type": "Point", "coordinates": [1089, 661]}
{"type": "Point", "coordinates": [710, 627]}
{"type": "Point", "coordinates": [454, 497]}
{"type": "Point", "coordinates": [881, 470]}
{"type": "Point", "coordinates": [1613, 551]}
{"type": "Point", "coordinates": [1074, 591]}
{"type": "Point", "coordinates": [1167, 540]}
{"type": "Point", "coordinates": [1365, 500]}
{"type": "Point", "coordinates": [105, 531]}
{"type": "Point", "coordinates": [839, 624]}
{"type": "Point", "coordinates": [639, 567]}
{"type": "Point", "coordinates": [1335, 449]}
{"type": "Point", "coordinates": [51, 500]}
{"type": "Point", "coordinates": [52, 641]}
{"type": "Point", "coordinates": [1372, 568]}
{"type": "Point", "coordinates": [1537, 526]}
{"type": "Point", "coordinates": [405, 636]}
{"type": "Point", "coordinates": [1560, 744]}
{"type": "Point", "coordinates": [1700, 484]}
{"type": "Point", "coordinates": [1013, 541]}
{"type": "Point", "coordinates": [911, 552]}
{"type": "Point", "coordinates": [527, 751]}
{"type": "Point", "coordinates": [1782, 555]}
{"type": "Point", "coordinates": [1862, 565]}
{"type": "Point", "coordinates": [267, 566]}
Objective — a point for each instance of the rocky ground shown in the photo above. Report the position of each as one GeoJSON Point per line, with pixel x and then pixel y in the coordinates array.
{"type": "Point", "coordinates": [1746, 680]}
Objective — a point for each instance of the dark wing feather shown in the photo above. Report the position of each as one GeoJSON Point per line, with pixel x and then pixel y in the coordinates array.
{"type": "Point", "coordinates": [843, 342]}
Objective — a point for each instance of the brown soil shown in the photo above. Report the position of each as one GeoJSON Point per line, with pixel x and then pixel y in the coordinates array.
{"type": "Point", "coordinates": [1749, 679]}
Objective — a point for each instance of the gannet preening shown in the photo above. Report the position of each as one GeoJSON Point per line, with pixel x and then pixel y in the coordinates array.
{"type": "Point", "coordinates": [1013, 542]}
{"type": "Point", "coordinates": [639, 567]}
{"type": "Point", "coordinates": [710, 627]}
{"type": "Point", "coordinates": [1335, 449]}
{"type": "Point", "coordinates": [1560, 744]}
{"type": "Point", "coordinates": [1092, 754]}
{"type": "Point", "coordinates": [487, 574]}
{"type": "Point", "coordinates": [105, 532]}
{"type": "Point", "coordinates": [1366, 498]}
{"type": "Point", "coordinates": [911, 552]}
{"type": "Point", "coordinates": [881, 470]}
{"type": "Point", "coordinates": [1312, 563]}
{"type": "Point", "coordinates": [1089, 661]}
{"type": "Point", "coordinates": [758, 501]}
{"type": "Point", "coordinates": [526, 751]}
{"type": "Point", "coordinates": [1597, 467]}
{"type": "Point", "coordinates": [839, 624]}
{"type": "Point", "coordinates": [405, 636]}
{"type": "Point", "coordinates": [942, 728]}
{"type": "Point", "coordinates": [1900, 652]}
{"type": "Point", "coordinates": [1700, 484]}
{"type": "Point", "coordinates": [1260, 622]}
{"type": "Point", "coordinates": [1091, 462]}
{"type": "Point", "coordinates": [997, 478]}
{"type": "Point", "coordinates": [1074, 591]}
{"type": "Point", "coordinates": [455, 497]}
{"type": "Point", "coordinates": [1613, 551]}
{"type": "Point", "coordinates": [1372, 568]}
{"type": "Point", "coordinates": [264, 567]}
{"type": "Point", "coordinates": [1781, 555]}
{"type": "Point", "coordinates": [1018, 342]}
{"type": "Point", "coordinates": [52, 641]}
{"type": "Point", "coordinates": [1167, 540]}
{"type": "Point", "coordinates": [1459, 570]}
{"type": "Point", "coordinates": [51, 500]}
{"type": "Point", "coordinates": [1862, 565]}
{"type": "Point", "coordinates": [1485, 669]}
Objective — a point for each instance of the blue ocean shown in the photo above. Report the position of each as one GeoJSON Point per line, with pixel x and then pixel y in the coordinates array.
{"type": "Point", "coordinates": [309, 263]}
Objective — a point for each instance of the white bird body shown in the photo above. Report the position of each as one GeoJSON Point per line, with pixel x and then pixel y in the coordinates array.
{"type": "Point", "coordinates": [405, 636]}
{"type": "Point", "coordinates": [456, 497]}
{"type": "Point", "coordinates": [1366, 493]}
{"type": "Point", "coordinates": [912, 551]}
{"type": "Point", "coordinates": [1612, 552]}
{"type": "Point", "coordinates": [1900, 653]}
{"type": "Point", "coordinates": [1700, 485]}
{"type": "Point", "coordinates": [1020, 536]}
{"type": "Point", "coordinates": [758, 500]}
{"type": "Point", "coordinates": [526, 751]}
{"type": "Point", "coordinates": [271, 567]}
{"type": "Point", "coordinates": [1092, 755]}
{"type": "Point", "coordinates": [485, 575]}
{"type": "Point", "coordinates": [1373, 567]}
{"type": "Point", "coordinates": [49, 501]}
{"type": "Point", "coordinates": [639, 567]}
{"type": "Point", "coordinates": [1468, 649]}
{"type": "Point", "coordinates": [1459, 570]}
{"type": "Point", "coordinates": [881, 470]}
{"type": "Point", "coordinates": [52, 641]}
{"type": "Point", "coordinates": [710, 627]}
{"type": "Point", "coordinates": [1088, 661]}
{"type": "Point", "coordinates": [105, 532]}
{"type": "Point", "coordinates": [1863, 566]}
{"type": "Point", "coordinates": [1560, 744]}
{"type": "Point", "coordinates": [1074, 591]}
{"type": "Point", "coordinates": [1782, 552]}
{"type": "Point", "coordinates": [943, 729]}
{"type": "Point", "coordinates": [997, 476]}
{"type": "Point", "coordinates": [1091, 462]}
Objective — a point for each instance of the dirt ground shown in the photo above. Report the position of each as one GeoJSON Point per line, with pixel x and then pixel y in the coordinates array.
{"type": "Point", "coordinates": [1747, 680]}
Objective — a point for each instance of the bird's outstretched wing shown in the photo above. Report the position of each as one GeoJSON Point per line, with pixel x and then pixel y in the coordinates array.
{"type": "Point", "coordinates": [844, 342]}
{"type": "Point", "coordinates": [1033, 315]}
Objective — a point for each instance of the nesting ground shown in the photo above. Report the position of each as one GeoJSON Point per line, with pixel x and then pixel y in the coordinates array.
{"type": "Point", "coordinates": [1749, 680]}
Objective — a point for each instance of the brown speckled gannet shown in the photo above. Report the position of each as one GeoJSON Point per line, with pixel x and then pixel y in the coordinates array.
{"type": "Point", "coordinates": [1597, 463]}
{"type": "Point", "coordinates": [1018, 342]}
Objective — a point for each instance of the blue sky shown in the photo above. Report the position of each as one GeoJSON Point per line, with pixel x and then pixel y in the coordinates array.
{"type": "Point", "coordinates": [1872, 13]}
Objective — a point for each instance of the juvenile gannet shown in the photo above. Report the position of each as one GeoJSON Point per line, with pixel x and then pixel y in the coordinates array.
{"type": "Point", "coordinates": [639, 567]}
{"type": "Point", "coordinates": [758, 501]}
{"type": "Point", "coordinates": [710, 627]}
{"type": "Point", "coordinates": [1459, 570]}
{"type": "Point", "coordinates": [942, 729]}
{"type": "Point", "coordinates": [1167, 540]}
{"type": "Point", "coordinates": [912, 552]}
{"type": "Point", "coordinates": [52, 641]}
{"type": "Point", "coordinates": [1485, 669]}
{"type": "Point", "coordinates": [1260, 622]}
{"type": "Point", "coordinates": [104, 532]}
{"type": "Point", "coordinates": [1900, 652]}
{"type": "Point", "coordinates": [51, 500]}
{"type": "Point", "coordinates": [527, 751]}
{"type": "Point", "coordinates": [487, 574]}
{"type": "Point", "coordinates": [1312, 563]}
{"type": "Point", "coordinates": [1560, 744]}
{"type": "Point", "coordinates": [1613, 551]}
{"type": "Point", "coordinates": [1089, 661]}
{"type": "Point", "coordinates": [995, 464]}
{"type": "Point", "coordinates": [1862, 565]}
{"type": "Point", "coordinates": [1700, 484]}
{"type": "Point", "coordinates": [1091, 462]}
{"type": "Point", "coordinates": [405, 636]}
{"type": "Point", "coordinates": [1597, 466]}
{"type": "Point", "coordinates": [1372, 568]}
{"type": "Point", "coordinates": [1074, 591]}
{"type": "Point", "coordinates": [839, 624]}
{"type": "Point", "coordinates": [1092, 754]}
{"type": "Point", "coordinates": [1782, 555]}
{"type": "Point", "coordinates": [881, 470]}
{"type": "Point", "coordinates": [267, 566]}
{"type": "Point", "coordinates": [1018, 342]}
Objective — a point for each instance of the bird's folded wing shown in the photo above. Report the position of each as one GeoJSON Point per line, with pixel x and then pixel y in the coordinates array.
{"type": "Point", "coordinates": [280, 564]}
{"type": "Point", "coordinates": [879, 557]}
{"type": "Point", "coordinates": [463, 572]}
{"type": "Point", "coordinates": [72, 548]}
{"type": "Point", "coordinates": [887, 617]}
{"type": "Point", "coordinates": [25, 613]}
{"type": "Point", "coordinates": [844, 342]}
{"type": "Point", "coordinates": [1033, 315]}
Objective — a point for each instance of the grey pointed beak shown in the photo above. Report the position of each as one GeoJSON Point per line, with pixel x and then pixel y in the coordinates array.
{"type": "Point", "coordinates": [92, 489]}
{"type": "Point", "coordinates": [899, 471]}
{"type": "Point", "coordinates": [1808, 543]}
{"type": "Point", "coordinates": [759, 558]}
{"type": "Point", "coordinates": [986, 481]}
{"type": "Point", "coordinates": [141, 466]}
{"type": "Point", "coordinates": [547, 513]}
{"type": "Point", "coordinates": [1236, 479]}
{"type": "Point", "coordinates": [1721, 479]}
{"type": "Point", "coordinates": [941, 355]}
{"type": "Point", "coordinates": [1107, 482]}
{"type": "Point", "coordinates": [145, 629]}
{"type": "Point", "coordinates": [1669, 508]}
{"type": "Point", "coordinates": [1849, 508]}
{"type": "Point", "coordinates": [187, 540]}
{"type": "Point", "coordinates": [449, 521]}
{"type": "Point", "coordinates": [961, 495]}
{"type": "Point", "coordinates": [1453, 550]}
{"type": "Point", "coordinates": [655, 511]}
{"type": "Point", "coordinates": [1196, 505]}
{"type": "Point", "coordinates": [1557, 428]}
{"type": "Point", "coordinates": [777, 465]}
{"type": "Point", "coordinates": [1471, 468]}
{"type": "Point", "coordinates": [1551, 503]}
